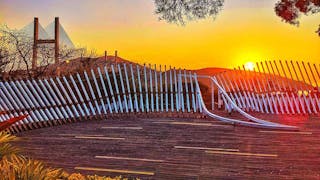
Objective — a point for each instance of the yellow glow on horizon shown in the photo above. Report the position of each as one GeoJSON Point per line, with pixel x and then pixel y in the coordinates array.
{"type": "Point", "coordinates": [237, 36]}
{"type": "Point", "coordinates": [228, 42]}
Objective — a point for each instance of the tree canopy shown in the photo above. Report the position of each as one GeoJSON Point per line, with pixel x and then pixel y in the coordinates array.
{"type": "Point", "coordinates": [181, 11]}
{"type": "Point", "coordinates": [291, 10]}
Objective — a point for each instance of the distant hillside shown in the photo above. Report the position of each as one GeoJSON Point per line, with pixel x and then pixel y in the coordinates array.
{"type": "Point", "coordinates": [226, 77]}
{"type": "Point", "coordinates": [211, 71]}
{"type": "Point", "coordinates": [80, 64]}
{"type": "Point", "coordinates": [84, 64]}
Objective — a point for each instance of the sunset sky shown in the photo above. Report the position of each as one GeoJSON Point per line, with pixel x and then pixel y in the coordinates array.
{"type": "Point", "coordinates": [244, 31]}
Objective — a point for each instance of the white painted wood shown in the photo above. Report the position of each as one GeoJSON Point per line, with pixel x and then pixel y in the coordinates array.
{"type": "Point", "coordinates": [288, 102]}
{"type": "Point", "coordinates": [81, 100]}
{"type": "Point", "coordinates": [187, 90]}
{"type": "Point", "coordinates": [140, 90]}
{"type": "Point", "coordinates": [278, 89]}
{"type": "Point", "coordinates": [72, 95]}
{"type": "Point", "coordinates": [36, 102]}
{"type": "Point", "coordinates": [156, 87]}
{"type": "Point", "coordinates": [253, 89]}
{"type": "Point", "coordinates": [63, 100]}
{"type": "Point", "coordinates": [161, 89]}
{"type": "Point", "coordinates": [50, 100]}
{"type": "Point", "coordinates": [198, 92]}
{"type": "Point", "coordinates": [227, 87]}
{"type": "Point", "coordinates": [249, 88]}
{"type": "Point", "coordinates": [106, 95]}
{"type": "Point", "coordinates": [263, 83]}
{"type": "Point", "coordinates": [181, 91]}
{"type": "Point", "coordinates": [228, 77]}
{"type": "Point", "coordinates": [292, 89]}
{"type": "Point", "coordinates": [117, 88]}
{"type": "Point", "coordinates": [123, 90]}
{"type": "Point", "coordinates": [234, 80]}
{"type": "Point", "coordinates": [24, 103]}
{"type": "Point", "coordinates": [43, 97]}
{"type": "Point", "coordinates": [146, 87]}
{"type": "Point", "coordinates": [261, 93]}
{"type": "Point", "coordinates": [192, 93]}
{"type": "Point", "coordinates": [273, 100]}
{"type": "Point", "coordinates": [166, 88]}
{"type": "Point", "coordinates": [10, 107]}
{"type": "Point", "coordinates": [97, 88]}
{"type": "Point", "coordinates": [317, 86]}
{"type": "Point", "coordinates": [301, 89]}
{"type": "Point", "coordinates": [151, 89]}
{"type": "Point", "coordinates": [176, 89]}
{"type": "Point", "coordinates": [86, 99]}
{"type": "Point", "coordinates": [93, 96]}
{"type": "Point", "coordinates": [40, 114]}
{"type": "Point", "coordinates": [54, 99]}
{"type": "Point", "coordinates": [297, 89]}
{"type": "Point", "coordinates": [112, 94]}
{"type": "Point", "coordinates": [17, 104]}
{"type": "Point", "coordinates": [134, 89]}
{"type": "Point", "coordinates": [244, 91]}
{"type": "Point", "coordinates": [128, 87]}
{"type": "Point", "coordinates": [171, 90]}
{"type": "Point", "coordinates": [315, 98]}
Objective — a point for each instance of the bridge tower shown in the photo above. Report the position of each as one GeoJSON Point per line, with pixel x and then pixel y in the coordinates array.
{"type": "Point", "coordinates": [37, 41]}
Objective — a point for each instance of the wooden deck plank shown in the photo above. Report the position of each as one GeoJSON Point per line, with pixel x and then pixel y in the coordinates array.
{"type": "Point", "coordinates": [181, 148]}
{"type": "Point", "coordinates": [128, 158]}
{"type": "Point", "coordinates": [242, 154]}
{"type": "Point", "coordinates": [115, 171]}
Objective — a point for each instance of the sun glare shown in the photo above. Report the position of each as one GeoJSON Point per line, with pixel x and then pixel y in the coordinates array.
{"type": "Point", "coordinates": [249, 66]}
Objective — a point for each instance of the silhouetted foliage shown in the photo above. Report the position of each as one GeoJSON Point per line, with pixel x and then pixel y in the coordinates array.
{"type": "Point", "coordinates": [181, 11]}
{"type": "Point", "coordinates": [178, 11]}
{"type": "Point", "coordinates": [291, 10]}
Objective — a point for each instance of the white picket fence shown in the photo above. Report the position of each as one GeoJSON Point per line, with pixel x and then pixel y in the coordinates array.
{"type": "Point", "coordinates": [275, 88]}
{"type": "Point", "coordinates": [116, 89]}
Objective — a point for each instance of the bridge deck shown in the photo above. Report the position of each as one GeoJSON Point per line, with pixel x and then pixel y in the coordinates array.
{"type": "Point", "coordinates": [178, 149]}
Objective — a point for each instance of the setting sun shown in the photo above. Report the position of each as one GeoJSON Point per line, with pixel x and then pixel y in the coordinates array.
{"type": "Point", "coordinates": [249, 66]}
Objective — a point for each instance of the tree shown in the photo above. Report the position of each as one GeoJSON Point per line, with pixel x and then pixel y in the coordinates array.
{"type": "Point", "coordinates": [4, 60]}
{"type": "Point", "coordinates": [291, 10]}
{"type": "Point", "coordinates": [178, 11]}
{"type": "Point", "coordinates": [17, 48]}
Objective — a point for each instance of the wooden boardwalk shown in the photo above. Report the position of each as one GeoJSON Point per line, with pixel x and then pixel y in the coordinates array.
{"type": "Point", "coordinates": [166, 148]}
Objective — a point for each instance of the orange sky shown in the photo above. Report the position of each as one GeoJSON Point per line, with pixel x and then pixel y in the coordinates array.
{"type": "Point", "coordinates": [243, 32]}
